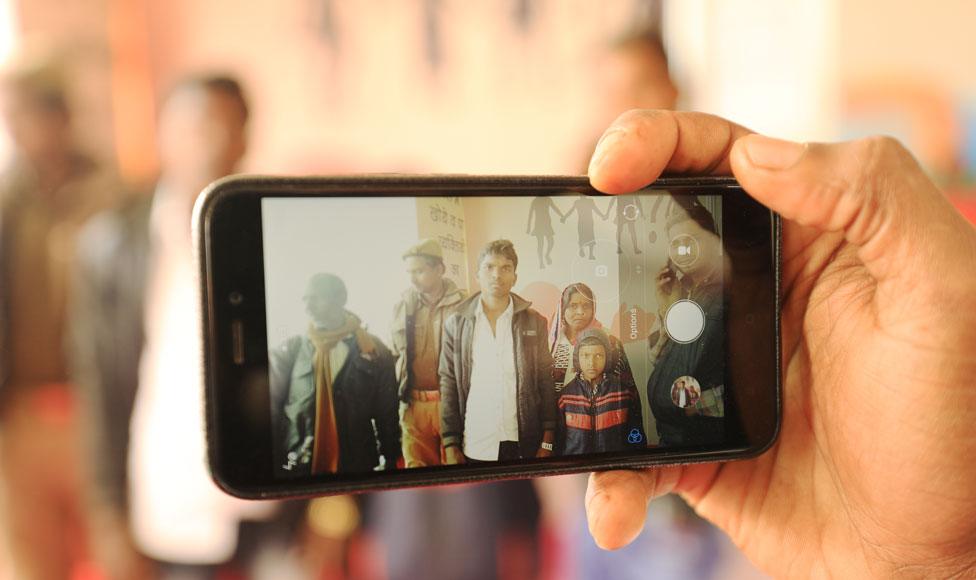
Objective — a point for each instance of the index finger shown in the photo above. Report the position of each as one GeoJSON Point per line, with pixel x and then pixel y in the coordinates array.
{"type": "Point", "coordinates": [642, 144]}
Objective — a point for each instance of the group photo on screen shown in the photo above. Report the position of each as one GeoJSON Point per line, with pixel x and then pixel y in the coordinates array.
{"type": "Point", "coordinates": [426, 331]}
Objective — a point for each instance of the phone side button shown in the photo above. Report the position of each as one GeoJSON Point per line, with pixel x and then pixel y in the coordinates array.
{"type": "Point", "coordinates": [237, 341]}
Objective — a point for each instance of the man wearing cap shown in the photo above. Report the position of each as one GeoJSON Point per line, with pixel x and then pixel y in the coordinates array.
{"type": "Point", "coordinates": [418, 319]}
{"type": "Point", "coordinates": [328, 388]}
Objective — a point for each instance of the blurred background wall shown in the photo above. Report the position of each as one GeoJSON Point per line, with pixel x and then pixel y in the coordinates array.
{"type": "Point", "coordinates": [514, 86]}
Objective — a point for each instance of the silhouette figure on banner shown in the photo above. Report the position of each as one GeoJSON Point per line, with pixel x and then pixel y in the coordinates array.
{"type": "Point", "coordinates": [628, 212]}
{"type": "Point", "coordinates": [585, 207]}
{"type": "Point", "coordinates": [658, 199]}
{"type": "Point", "coordinates": [541, 228]}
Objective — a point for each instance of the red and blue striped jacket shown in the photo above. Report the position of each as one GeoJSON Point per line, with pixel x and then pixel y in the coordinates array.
{"type": "Point", "coordinates": [602, 420]}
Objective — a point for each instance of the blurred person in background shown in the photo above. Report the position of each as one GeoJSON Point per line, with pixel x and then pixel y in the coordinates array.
{"type": "Point", "coordinates": [47, 192]}
{"type": "Point", "coordinates": [482, 531]}
{"type": "Point", "coordinates": [137, 355]}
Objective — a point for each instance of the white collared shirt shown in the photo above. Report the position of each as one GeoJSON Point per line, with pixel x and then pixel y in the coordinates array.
{"type": "Point", "coordinates": [491, 414]}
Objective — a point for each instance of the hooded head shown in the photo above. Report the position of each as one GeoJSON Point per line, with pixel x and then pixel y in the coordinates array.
{"type": "Point", "coordinates": [592, 354]}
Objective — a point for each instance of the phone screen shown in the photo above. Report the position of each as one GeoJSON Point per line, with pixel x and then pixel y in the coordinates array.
{"type": "Point", "coordinates": [412, 332]}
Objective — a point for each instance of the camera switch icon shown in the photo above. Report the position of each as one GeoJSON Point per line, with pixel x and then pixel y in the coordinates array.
{"type": "Point", "coordinates": [601, 271]}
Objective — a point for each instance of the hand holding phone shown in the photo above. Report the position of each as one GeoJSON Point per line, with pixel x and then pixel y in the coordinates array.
{"type": "Point", "coordinates": [879, 331]}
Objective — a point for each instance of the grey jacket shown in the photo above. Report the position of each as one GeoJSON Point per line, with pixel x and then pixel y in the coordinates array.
{"type": "Point", "coordinates": [533, 370]}
{"type": "Point", "coordinates": [107, 337]}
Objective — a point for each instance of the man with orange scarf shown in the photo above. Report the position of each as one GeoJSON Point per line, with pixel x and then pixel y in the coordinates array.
{"type": "Point", "coordinates": [328, 387]}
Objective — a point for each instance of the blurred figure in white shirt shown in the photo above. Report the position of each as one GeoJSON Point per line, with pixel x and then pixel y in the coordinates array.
{"type": "Point", "coordinates": [139, 333]}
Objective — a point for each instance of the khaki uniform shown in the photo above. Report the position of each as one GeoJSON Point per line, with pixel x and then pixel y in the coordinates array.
{"type": "Point", "coordinates": [41, 483]}
{"type": "Point", "coordinates": [417, 329]}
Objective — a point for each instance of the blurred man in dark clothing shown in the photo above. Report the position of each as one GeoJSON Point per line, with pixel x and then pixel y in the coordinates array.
{"type": "Point", "coordinates": [46, 193]}
{"type": "Point", "coordinates": [136, 353]}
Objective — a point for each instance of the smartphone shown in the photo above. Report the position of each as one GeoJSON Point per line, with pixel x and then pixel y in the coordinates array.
{"type": "Point", "coordinates": [374, 332]}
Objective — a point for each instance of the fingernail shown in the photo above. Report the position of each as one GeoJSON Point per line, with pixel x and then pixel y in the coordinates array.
{"type": "Point", "coordinates": [769, 153]}
{"type": "Point", "coordinates": [607, 142]}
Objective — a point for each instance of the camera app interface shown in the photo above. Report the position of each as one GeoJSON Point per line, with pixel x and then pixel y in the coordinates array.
{"type": "Point", "coordinates": [412, 332]}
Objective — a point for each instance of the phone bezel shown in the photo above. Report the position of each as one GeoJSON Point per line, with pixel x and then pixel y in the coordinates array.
{"type": "Point", "coordinates": [228, 233]}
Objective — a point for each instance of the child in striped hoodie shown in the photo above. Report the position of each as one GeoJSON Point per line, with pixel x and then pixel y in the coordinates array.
{"type": "Point", "coordinates": [597, 414]}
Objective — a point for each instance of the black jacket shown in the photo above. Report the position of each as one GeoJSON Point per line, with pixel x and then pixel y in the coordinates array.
{"type": "Point", "coordinates": [364, 392]}
{"type": "Point", "coordinates": [533, 371]}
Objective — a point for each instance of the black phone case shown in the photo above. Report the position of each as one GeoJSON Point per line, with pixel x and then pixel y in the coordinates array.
{"type": "Point", "coordinates": [324, 186]}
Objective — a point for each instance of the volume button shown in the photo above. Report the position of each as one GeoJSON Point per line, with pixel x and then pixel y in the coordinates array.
{"type": "Point", "coordinates": [237, 341]}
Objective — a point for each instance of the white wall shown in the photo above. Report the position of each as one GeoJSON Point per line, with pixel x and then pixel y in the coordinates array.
{"type": "Point", "coordinates": [357, 239]}
{"type": "Point", "coordinates": [8, 42]}
{"type": "Point", "coordinates": [770, 65]}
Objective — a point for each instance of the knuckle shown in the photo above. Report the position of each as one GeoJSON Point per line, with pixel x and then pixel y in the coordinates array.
{"type": "Point", "coordinates": [870, 189]}
{"type": "Point", "coordinates": [641, 121]}
{"type": "Point", "coordinates": [879, 154]}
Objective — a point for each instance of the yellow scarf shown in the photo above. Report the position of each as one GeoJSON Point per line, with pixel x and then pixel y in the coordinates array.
{"type": "Point", "coordinates": [325, 453]}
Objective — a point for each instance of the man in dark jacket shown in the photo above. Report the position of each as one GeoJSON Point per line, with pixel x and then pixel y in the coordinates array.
{"type": "Point", "coordinates": [498, 401]}
{"type": "Point", "coordinates": [328, 387]}
{"type": "Point", "coordinates": [597, 411]}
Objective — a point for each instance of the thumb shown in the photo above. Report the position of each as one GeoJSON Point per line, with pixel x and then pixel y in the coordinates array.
{"type": "Point", "coordinates": [871, 189]}
{"type": "Point", "coordinates": [616, 502]}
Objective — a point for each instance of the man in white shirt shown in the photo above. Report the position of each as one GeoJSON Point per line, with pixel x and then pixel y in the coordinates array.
{"type": "Point", "coordinates": [137, 362]}
{"type": "Point", "coordinates": [498, 401]}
